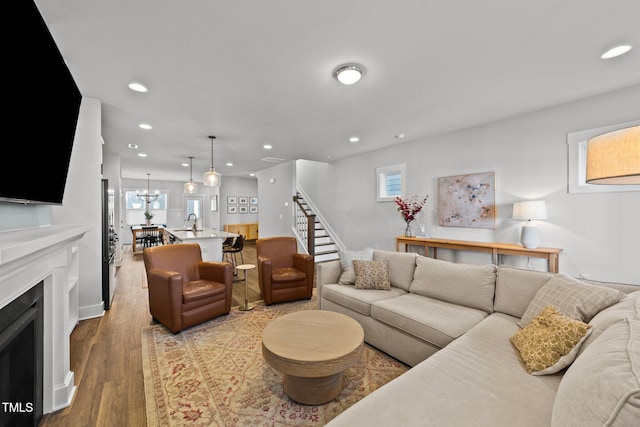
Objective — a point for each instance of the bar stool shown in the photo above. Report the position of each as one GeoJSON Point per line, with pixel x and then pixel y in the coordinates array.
{"type": "Point", "coordinates": [230, 252]}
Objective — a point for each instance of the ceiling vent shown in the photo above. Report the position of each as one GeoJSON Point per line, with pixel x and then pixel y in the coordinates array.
{"type": "Point", "coordinates": [272, 159]}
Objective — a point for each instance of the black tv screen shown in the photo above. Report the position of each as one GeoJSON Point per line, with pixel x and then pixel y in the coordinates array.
{"type": "Point", "coordinates": [43, 107]}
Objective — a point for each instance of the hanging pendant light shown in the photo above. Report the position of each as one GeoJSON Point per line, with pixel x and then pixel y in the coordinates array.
{"type": "Point", "coordinates": [212, 178]}
{"type": "Point", "coordinates": [190, 187]}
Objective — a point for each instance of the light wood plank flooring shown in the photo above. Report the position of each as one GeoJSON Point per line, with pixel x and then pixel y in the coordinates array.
{"type": "Point", "coordinates": [106, 353]}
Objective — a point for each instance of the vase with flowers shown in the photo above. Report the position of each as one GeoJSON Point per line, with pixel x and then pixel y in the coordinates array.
{"type": "Point", "coordinates": [409, 209]}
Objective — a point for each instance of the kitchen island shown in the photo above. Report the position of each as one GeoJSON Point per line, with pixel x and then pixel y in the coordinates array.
{"type": "Point", "coordinates": [209, 239]}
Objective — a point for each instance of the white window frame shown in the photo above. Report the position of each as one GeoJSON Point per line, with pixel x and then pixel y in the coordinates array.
{"type": "Point", "coordinates": [381, 188]}
{"type": "Point", "coordinates": [577, 159]}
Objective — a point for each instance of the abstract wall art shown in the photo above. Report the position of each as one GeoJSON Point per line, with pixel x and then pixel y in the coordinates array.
{"type": "Point", "coordinates": [467, 200]}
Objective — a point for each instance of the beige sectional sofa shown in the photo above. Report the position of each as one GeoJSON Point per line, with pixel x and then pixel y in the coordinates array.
{"type": "Point", "coordinates": [453, 323]}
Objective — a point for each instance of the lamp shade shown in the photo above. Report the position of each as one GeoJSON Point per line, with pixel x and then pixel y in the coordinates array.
{"type": "Point", "coordinates": [530, 209]}
{"type": "Point", "coordinates": [614, 157]}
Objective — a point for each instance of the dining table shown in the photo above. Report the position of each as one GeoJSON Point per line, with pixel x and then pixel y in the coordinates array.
{"type": "Point", "coordinates": [135, 229]}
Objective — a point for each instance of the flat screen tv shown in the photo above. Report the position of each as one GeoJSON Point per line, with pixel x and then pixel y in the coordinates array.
{"type": "Point", "coordinates": [43, 107]}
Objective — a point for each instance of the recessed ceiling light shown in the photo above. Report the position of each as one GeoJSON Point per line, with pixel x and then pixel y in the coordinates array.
{"type": "Point", "coordinates": [138, 87]}
{"type": "Point", "coordinates": [616, 51]}
{"type": "Point", "coordinates": [185, 164]}
{"type": "Point", "coordinates": [142, 155]}
{"type": "Point", "coordinates": [399, 136]}
{"type": "Point", "coordinates": [349, 74]}
{"type": "Point", "coordinates": [267, 146]}
{"type": "Point", "coordinates": [354, 139]}
{"type": "Point", "coordinates": [133, 145]}
{"type": "Point", "coordinates": [252, 174]}
{"type": "Point", "coordinates": [229, 164]}
{"type": "Point", "coordinates": [145, 126]}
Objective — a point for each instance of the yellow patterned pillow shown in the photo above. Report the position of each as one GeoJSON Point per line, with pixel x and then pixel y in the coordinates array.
{"type": "Point", "coordinates": [372, 274]}
{"type": "Point", "coordinates": [550, 342]}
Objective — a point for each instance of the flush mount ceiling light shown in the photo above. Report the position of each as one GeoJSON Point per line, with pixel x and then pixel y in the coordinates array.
{"type": "Point", "coordinates": [616, 51]}
{"type": "Point", "coordinates": [212, 178]}
{"type": "Point", "coordinates": [190, 187]}
{"type": "Point", "coordinates": [349, 74]}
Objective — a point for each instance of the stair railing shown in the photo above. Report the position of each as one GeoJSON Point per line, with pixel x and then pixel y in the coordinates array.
{"type": "Point", "coordinates": [305, 225]}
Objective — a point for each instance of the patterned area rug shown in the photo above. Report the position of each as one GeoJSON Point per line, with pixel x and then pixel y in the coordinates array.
{"type": "Point", "coordinates": [214, 374]}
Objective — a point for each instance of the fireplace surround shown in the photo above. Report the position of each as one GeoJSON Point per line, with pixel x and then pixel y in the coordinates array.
{"type": "Point", "coordinates": [44, 258]}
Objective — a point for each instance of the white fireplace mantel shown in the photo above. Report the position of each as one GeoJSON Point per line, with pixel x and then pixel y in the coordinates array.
{"type": "Point", "coordinates": [47, 254]}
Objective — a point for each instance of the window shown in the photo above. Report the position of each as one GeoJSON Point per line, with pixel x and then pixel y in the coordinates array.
{"type": "Point", "coordinates": [135, 208]}
{"type": "Point", "coordinates": [390, 182]}
{"type": "Point", "coordinates": [577, 152]}
{"type": "Point", "coordinates": [192, 205]}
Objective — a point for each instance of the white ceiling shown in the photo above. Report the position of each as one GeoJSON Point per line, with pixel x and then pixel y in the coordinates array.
{"type": "Point", "coordinates": [255, 72]}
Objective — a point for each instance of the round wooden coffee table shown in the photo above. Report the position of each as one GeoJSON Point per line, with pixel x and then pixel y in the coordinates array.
{"type": "Point", "coordinates": [312, 349]}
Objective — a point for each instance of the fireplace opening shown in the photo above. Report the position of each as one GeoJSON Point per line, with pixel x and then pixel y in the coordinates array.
{"type": "Point", "coordinates": [21, 359]}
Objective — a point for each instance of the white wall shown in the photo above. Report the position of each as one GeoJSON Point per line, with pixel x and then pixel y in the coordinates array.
{"type": "Point", "coordinates": [599, 233]}
{"type": "Point", "coordinates": [82, 204]}
{"type": "Point", "coordinates": [276, 187]}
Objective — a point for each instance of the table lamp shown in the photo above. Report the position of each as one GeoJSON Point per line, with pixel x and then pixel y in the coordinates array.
{"type": "Point", "coordinates": [530, 210]}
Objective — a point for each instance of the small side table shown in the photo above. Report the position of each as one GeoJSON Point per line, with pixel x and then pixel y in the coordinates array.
{"type": "Point", "coordinates": [245, 267]}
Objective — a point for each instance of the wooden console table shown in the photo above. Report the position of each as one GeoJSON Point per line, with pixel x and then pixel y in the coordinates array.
{"type": "Point", "coordinates": [495, 249]}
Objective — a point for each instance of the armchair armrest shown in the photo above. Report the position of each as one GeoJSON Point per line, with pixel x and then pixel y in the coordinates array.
{"type": "Point", "coordinates": [221, 272]}
{"type": "Point", "coordinates": [165, 295]}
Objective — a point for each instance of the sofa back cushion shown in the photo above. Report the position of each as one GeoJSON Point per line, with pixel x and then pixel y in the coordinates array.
{"type": "Point", "coordinates": [627, 306]}
{"type": "Point", "coordinates": [515, 289]}
{"type": "Point", "coordinates": [572, 297]}
{"type": "Point", "coordinates": [602, 387]}
{"type": "Point", "coordinates": [401, 267]}
{"type": "Point", "coordinates": [464, 284]}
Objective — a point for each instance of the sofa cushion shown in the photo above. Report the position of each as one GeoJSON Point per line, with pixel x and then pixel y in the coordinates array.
{"type": "Point", "coordinates": [550, 342]}
{"type": "Point", "coordinates": [348, 276]}
{"type": "Point", "coordinates": [516, 287]}
{"type": "Point", "coordinates": [477, 380]}
{"type": "Point", "coordinates": [401, 267]}
{"type": "Point", "coordinates": [358, 300]}
{"type": "Point", "coordinates": [464, 284]}
{"type": "Point", "coordinates": [372, 274]}
{"type": "Point", "coordinates": [434, 321]}
{"type": "Point", "coordinates": [572, 297]}
{"type": "Point", "coordinates": [627, 306]}
{"type": "Point", "coordinates": [602, 387]}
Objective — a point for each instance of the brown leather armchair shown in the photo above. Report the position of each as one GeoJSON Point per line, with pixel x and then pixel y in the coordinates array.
{"type": "Point", "coordinates": [184, 290]}
{"type": "Point", "coordinates": [283, 273]}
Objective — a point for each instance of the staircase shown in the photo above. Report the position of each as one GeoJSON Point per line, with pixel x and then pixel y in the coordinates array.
{"type": "Point", "coordinates": [310, 229]}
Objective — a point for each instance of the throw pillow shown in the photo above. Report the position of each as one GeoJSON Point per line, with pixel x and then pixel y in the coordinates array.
{"type": "Point", "coordinates": [372, 274]}
{"type": "Point", "coordinates": [348, 276]}
{"type": "Point", "coordinates": [574, 298]}
{"type": "Point", "coordinates": [550, 342]}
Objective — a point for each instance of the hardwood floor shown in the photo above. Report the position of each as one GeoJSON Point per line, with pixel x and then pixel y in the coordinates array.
{"type": "Point", "coordinates": [106, 353]}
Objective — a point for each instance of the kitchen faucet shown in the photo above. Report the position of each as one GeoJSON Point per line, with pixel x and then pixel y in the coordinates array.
{"type": "Point", "coordinates": [195, 219]}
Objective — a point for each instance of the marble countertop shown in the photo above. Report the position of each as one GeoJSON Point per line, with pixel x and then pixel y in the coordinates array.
{"type": "Point", "coordinates": [204, 233]}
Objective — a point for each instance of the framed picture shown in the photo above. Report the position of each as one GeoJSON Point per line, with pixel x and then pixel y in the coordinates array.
{"type": "Point", "coordinates": [232, 209]}
{"type": "Point", "coordinates": [243, 209]}
{"type": "Point", "coordinates": [253, 200]}
{"type": "Point", "coordinates": [232, 200]}
{"type": "Point", "coordinates": [253, 209]}
{"type": "Point", "coordinates": [467, 200]}
{"type": "Point", "coordinates": [214, 202]}
{"type": "Point", "coordinates": [243, 200]}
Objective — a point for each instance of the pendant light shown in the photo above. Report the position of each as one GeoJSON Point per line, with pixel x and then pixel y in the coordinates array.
{"type": "Point", "coordinates": [212, 178]}
{"type": "Point", "coordinates": [190, 187]}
